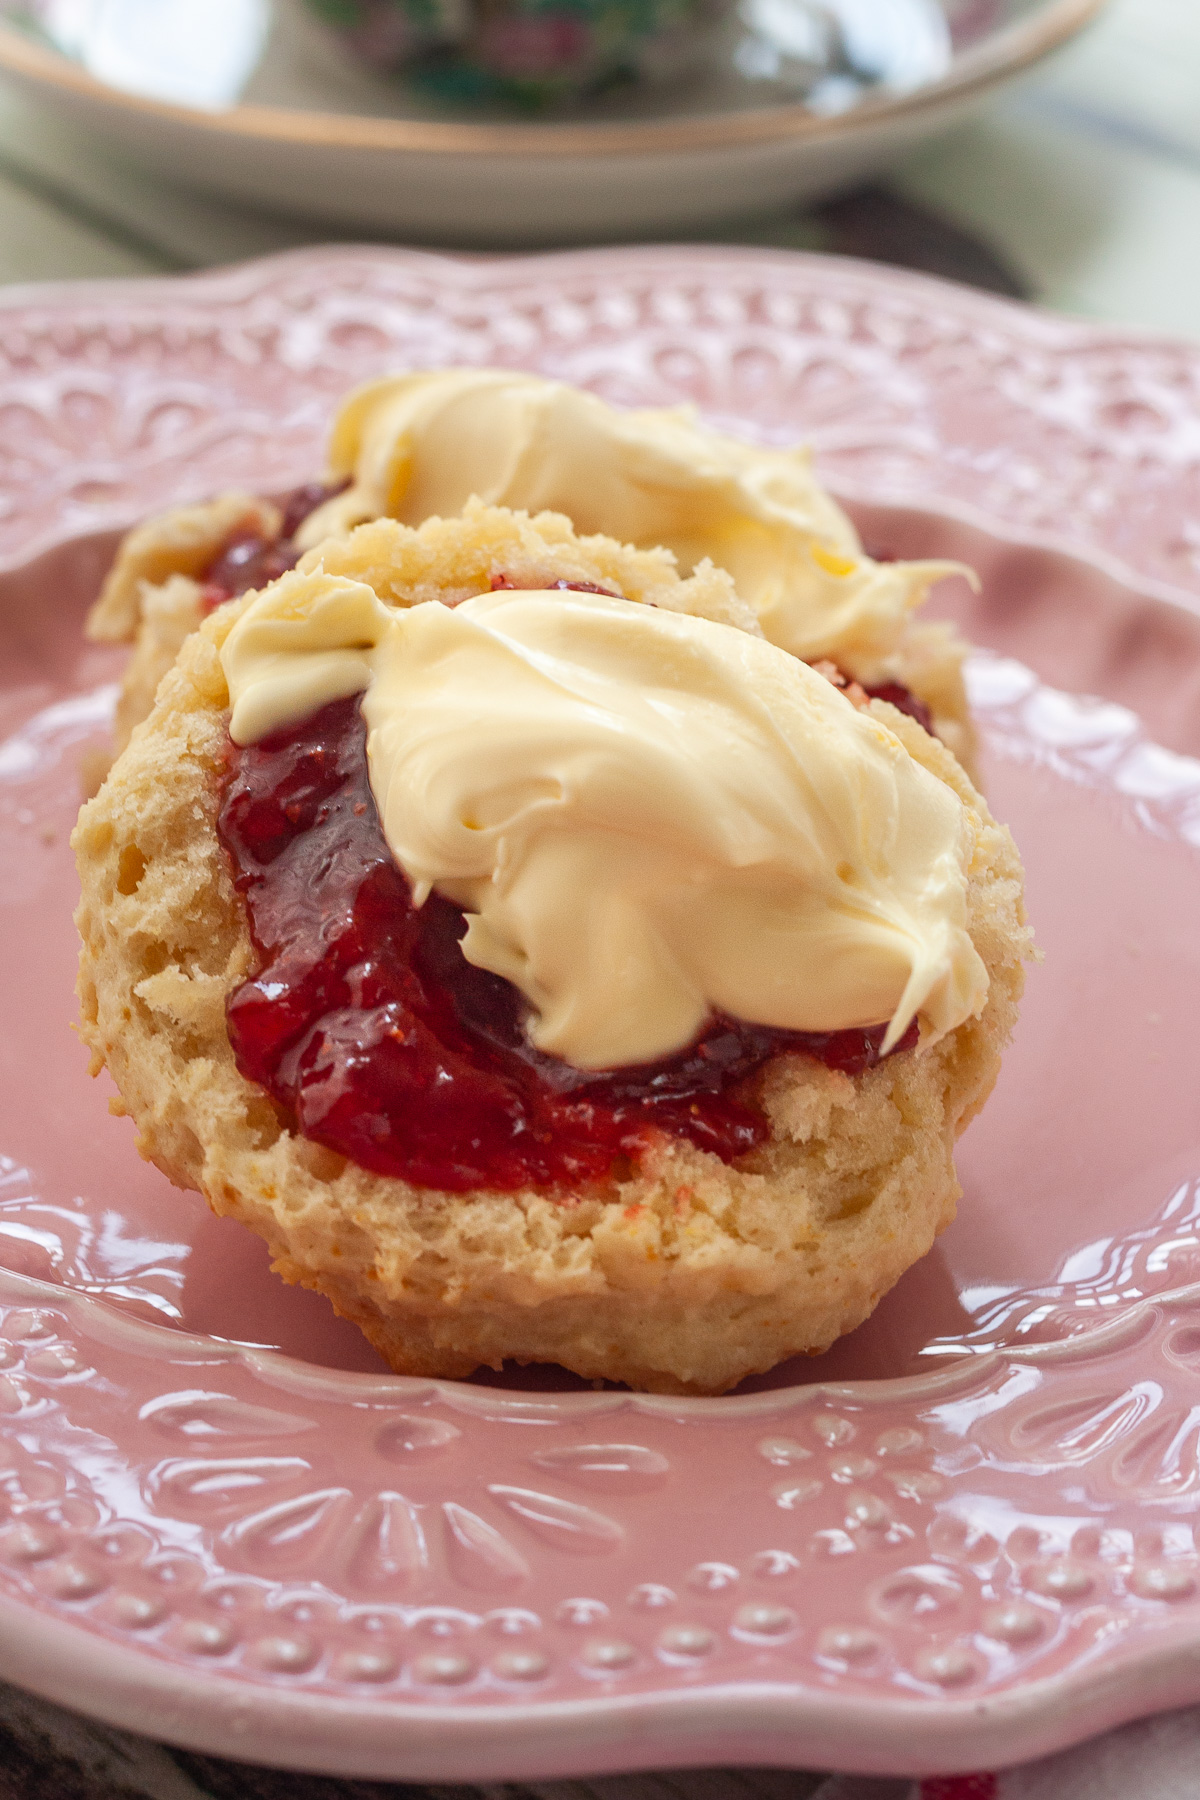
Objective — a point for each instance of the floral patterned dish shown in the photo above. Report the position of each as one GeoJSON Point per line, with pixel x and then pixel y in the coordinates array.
{"type": "Point", "coordinates": [275, 111]}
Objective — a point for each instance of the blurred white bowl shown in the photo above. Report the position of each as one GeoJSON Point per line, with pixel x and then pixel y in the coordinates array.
{"type": "Point", "coordinates": [260, 104]}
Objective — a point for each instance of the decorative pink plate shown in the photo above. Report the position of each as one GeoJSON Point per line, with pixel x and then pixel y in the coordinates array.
{"type": "Point", "coordinates": [962, 1538]}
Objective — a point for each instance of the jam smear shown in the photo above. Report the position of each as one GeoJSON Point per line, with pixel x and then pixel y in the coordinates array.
{"type": "Point", "coordinates": [248, 560]}
{"type": "Point", "coordinates": [505, 584]}
{"type": "Point", "coordinates": [368, 1025]}
{"type": "Point", "coordinates": [894, 692]}
{"type": "Point", "coordinates": [905, 701]}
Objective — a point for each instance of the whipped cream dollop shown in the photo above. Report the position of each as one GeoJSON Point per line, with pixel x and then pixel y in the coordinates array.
{"type": "Point", "coordinates": [413, 446]}
{"type": "Point", "coordinates": [645, 816]}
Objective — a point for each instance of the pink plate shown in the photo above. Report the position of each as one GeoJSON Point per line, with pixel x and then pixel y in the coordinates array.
{"type": "Point", "coordinates": [962, 1538]}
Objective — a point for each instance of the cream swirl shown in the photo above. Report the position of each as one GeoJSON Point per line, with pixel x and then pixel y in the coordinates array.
{"type": "Point", "coordinates": [415, 446]}
{"type": "Point", "coordinates": [645, 816]}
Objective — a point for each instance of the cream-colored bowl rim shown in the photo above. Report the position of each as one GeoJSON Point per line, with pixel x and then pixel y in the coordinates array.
{"type": "Point", "coordinates": [1006, 52]}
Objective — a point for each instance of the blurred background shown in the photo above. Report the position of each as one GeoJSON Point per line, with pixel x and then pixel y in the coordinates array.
{"type": "Point", "coordinates": [1076, 185]}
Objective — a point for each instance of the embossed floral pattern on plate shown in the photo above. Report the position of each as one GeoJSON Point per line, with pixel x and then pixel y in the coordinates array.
{"type": "Point", "coordinates": [943, 1567]}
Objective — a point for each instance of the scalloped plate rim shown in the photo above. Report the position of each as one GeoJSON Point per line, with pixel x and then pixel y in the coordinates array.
{"type": "Point", "coordinates": [473, 271]}
{"type": "Point", "coordinates": [906, 1738]}
{"type": "Point", "coordinates": [914, 1734]}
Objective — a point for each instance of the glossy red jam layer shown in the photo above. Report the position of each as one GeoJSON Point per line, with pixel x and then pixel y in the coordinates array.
{"type": "Point", "coordinates": [248, 560]}
{"type": "Point", "coordinates": [905, 701]}
{"type": "Point", "coordinates": [369, 1026]}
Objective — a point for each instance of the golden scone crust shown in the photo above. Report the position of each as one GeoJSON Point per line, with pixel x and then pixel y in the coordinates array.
{"type": "Point", "coordinates": [152, 599]}
{"type": "Point", "coordinates": [683, 1275]}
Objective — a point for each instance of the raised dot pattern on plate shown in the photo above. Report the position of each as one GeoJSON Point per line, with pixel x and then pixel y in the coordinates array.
{"type": "Point", "coordinates": [873, 364]}
{"type": "Point", "coordinates": [394, 1589]}
{"type": "Point", "coordinates": [400, 1542]}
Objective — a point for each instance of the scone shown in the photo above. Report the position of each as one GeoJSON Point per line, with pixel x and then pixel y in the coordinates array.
{"type": "Point", "coordinates": [618, 1008]}
{"type": "Point", "coordinates": [418, 446]}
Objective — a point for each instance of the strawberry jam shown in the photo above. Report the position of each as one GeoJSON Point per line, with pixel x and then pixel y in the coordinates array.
{"type": "Point", "coordinates": [248, 560]}
{"type": "Point", "coordinates": [369, 1027]}
{"type": "Point", "coordinates": [905, 701]}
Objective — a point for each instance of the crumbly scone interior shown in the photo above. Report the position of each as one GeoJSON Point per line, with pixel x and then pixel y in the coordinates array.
{"type": "Point", "coordinates": [152, 600]}
{"type": "Point", "coordinates": [682, 1274]}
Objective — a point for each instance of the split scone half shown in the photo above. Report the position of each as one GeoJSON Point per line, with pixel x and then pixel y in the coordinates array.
{"type": "Point", "coordinates": [676, 1268]}
{"type": "Point", "coordinates": [421, 445]}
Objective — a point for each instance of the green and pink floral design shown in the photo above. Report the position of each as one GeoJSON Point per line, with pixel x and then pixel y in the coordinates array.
{"type": "Point", "coordinates": [534, 53]}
